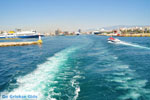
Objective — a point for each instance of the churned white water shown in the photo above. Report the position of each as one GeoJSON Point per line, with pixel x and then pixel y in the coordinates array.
{"type": "Point", "coordinates": [40, 79]}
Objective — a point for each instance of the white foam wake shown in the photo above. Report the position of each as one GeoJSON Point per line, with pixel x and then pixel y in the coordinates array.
{"type": "Point", "coordinates": [75, 84]}
{"type": "Point", "coordinates": [40, 79]}
{"type": "Point", "coordinates": [128, 80]}
{"type": "Point", "coordinates": [131, 44]}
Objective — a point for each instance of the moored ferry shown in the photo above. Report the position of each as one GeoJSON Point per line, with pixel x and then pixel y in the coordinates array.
{"type": "Point", "coordinates": [21, 34]}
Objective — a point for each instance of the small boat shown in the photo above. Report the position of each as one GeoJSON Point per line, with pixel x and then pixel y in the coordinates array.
{"type": "Point", "coordinates": [113, 40]}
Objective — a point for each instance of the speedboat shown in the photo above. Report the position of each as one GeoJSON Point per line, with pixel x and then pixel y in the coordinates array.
{"type": "Point", "coordinates": [113, 40]}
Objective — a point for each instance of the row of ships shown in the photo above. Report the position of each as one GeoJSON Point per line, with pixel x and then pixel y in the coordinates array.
{"type": "Point", "coordinates": [21, 34]}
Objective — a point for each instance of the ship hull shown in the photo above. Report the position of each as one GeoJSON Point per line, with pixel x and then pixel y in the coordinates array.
{"type": "Point", "coordinates": [13, 37]}
{"type": "Point", "coordinates": [28, 36]}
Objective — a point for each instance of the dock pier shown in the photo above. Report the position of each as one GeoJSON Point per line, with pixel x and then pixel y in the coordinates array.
{"type": "Point", "coordinates": [6, 44]}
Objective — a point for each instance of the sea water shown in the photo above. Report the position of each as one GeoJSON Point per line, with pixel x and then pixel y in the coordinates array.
{"type": "Point", "coordinates": [84, 67]}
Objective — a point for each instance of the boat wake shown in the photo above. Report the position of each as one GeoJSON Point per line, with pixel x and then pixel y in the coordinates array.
{"type": "Point", "coordinates": [131, 44]}
{"type": "Point", "coordinates": [50, 77]}
{"type": "Point", "coordinates": [127, 80]}
{"type": "Point", "coordinates": [121, 79]}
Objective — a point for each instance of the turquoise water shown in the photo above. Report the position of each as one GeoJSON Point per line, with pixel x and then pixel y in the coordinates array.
{"type": "Point", "coordinates": [83, 67]}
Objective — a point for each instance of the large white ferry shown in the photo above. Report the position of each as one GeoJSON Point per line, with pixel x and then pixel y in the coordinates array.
{"type": "Point", "coordinates": [21, 34]}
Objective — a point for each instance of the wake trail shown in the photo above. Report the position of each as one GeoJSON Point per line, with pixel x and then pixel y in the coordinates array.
{"type": "Point", "coordinates": [133, 45]}
{"type": "Point", "coordinates": [42, 79]}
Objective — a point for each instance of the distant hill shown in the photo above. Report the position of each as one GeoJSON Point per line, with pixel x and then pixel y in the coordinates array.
{"type": "Point", "coordinates": [115, 27]}
{"type": "Point", "coordinates": [121, 26]}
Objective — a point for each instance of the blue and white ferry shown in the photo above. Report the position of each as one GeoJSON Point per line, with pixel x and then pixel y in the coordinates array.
{"type": "Point", "coordinates": [21, 34]}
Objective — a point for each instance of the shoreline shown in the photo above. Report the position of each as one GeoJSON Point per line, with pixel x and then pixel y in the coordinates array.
{"type": "Point", "coordinates": [128, 35]}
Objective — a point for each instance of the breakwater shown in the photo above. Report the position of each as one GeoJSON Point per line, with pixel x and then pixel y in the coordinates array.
{"type": "Point", "coordinates": [5, 44]}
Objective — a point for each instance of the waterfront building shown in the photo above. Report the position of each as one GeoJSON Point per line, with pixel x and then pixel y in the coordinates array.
{"type": "Point", "coordinates": [58, 32]}
{"type": "Point", "coordinates": [18, 30]}
{"type": "Point", "coordinates": [1, 32]}
{"type": "Point", "coordinates": [79, 30]}
{"type": "Point", "coordinates": [66, 33]}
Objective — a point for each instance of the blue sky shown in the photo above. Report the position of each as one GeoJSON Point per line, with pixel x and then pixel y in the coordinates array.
{"type": "Point", "coordinates": [48, 15]}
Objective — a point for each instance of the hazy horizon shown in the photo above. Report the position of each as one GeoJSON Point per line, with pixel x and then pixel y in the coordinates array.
{"type": "Point", "coordinates": [71, 15]}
